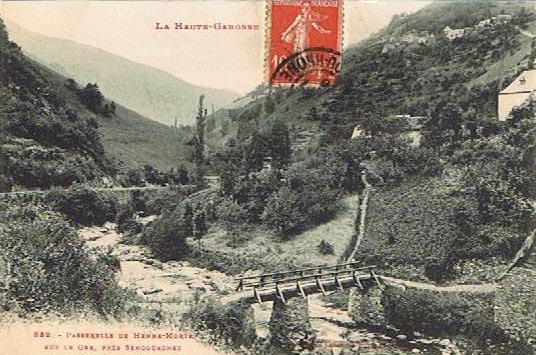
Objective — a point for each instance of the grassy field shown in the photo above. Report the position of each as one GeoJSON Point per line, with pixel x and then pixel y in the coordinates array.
{"type": "Point", "coordinates": [300, 250]}
{"type": "Point", "coordinates": [136, 140]}
{"type": "Point", "coordinates": [130, 137]}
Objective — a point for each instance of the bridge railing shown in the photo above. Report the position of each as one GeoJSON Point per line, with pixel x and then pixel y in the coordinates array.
{"type": "Point", "coordinates": [306, 274]}
{"type": "Point", "coordinates": [321, 277]}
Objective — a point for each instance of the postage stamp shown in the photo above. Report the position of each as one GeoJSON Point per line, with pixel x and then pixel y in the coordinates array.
{"type": "Point", "coordinates": [304, 42]}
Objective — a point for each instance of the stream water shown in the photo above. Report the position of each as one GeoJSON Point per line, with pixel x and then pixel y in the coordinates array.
{"type": "Point", "coordinates": [169, 286]}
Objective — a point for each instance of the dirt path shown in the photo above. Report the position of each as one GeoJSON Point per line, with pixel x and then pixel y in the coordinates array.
{"type": "Point", "coordinates": [484, 288]}
{"type": "Point", "coordinates": [362, 216]}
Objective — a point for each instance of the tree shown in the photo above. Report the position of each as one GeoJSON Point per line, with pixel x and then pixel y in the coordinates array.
{"type": "Point", "coordinates": [200, 225]}
{"type": "Point", "coordinates": [166, 237]}
{"type": "Point", "coordinates": [269, 104]}
{"type": "Point", "coordinates": [280, 148]}
{"type": "Point", "coordinates": [187, 220]}
{"type": "Point", "coordinates": [199, 152]}
{"type": "Point", "coordinates": [227, 163]}
{"type": "Point", "coordinates": [179, 175]}
{"type": "Point", "coordinates": [6, 181]}
{"type": "Point", "coordinates": [71, 85]}
{"type": "Point", "coordinates": [255, 152]}
{"type": "Point", "coordinates": [91, 97]}
{"type": "Point", "coordinates": [112, 108]}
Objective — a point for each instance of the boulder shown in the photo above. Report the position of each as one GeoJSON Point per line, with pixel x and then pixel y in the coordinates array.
{"type": "Point", "coordinates": [152, 290]}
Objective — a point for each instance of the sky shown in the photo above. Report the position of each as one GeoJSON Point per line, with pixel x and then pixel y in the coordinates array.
{"type": "Point", "coordinates": [219, 59]}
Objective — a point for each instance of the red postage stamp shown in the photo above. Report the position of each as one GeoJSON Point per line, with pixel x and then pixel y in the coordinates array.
{"type": "Point", "coordinates": [304, 42]}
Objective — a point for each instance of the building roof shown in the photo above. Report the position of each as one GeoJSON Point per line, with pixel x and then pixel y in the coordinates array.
{"type": "Point", "coordinates": [525, 82]}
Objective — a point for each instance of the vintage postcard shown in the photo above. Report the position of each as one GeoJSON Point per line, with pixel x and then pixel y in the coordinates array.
{"type": "Point", "coordinates": [267, 177]}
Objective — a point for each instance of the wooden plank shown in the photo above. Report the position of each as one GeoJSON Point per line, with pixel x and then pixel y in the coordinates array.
{"type": "Point", "coordinates": [280, 294]}
{"type": "Point", "coordinates": [373, 274]}
{"type": "Point", "coordinates": [257, 296]}
{"type": "Point", "coordinates": [281, 273]}
{"type": "Point", "coordinates": [302, 278]}
{"type": "Point", "coordinates": [356, 281]}
{"type": "Point", "coordinates": [338, 283]}
{"type": "Point", "coordinates": [301, 290]}
{"type": "Point", "coordinates": [321, 287]}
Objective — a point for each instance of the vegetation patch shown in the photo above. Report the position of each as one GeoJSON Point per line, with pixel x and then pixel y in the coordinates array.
{"type": "Point", "coordinates": [48, 269]}
{"type": "Point", "coordinates": [229, 324]}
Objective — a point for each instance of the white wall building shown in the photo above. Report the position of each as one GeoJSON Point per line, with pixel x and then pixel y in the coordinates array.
{"type": "Point", "coordinates": [519, 91]}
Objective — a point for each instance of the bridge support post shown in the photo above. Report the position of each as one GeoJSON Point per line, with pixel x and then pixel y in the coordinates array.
{"type": "Point", "coordinates": [365, 306]}
{"type": "Point", "coordinates": [290, 327]}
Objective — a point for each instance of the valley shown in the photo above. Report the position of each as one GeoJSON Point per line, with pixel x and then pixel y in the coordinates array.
{"type": "Point", "coordinates": [406, 190]}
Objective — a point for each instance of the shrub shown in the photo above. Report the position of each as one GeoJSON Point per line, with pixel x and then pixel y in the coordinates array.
{"type": "Point", "coordinates": [284, 212]}
{"type": "Point", "coordinates": [232, 324]}
{"type": "Point", "coordinates": [83, 205]}
{"type": "Point", "coordinates": [441, 314]}
{"type": "Point", "coordinates": [325, 248]}
{"type": "Point", "coordinates": [166, 236]}
{"type": "Point", "coordinates": [124, 216]}
{"type": "Point", "coordinates": [160, 201]}
{"type": "Point", "coordinates": [50, 270]}
{"type": "Point", "coordinates": [309, 197]}
{"type": "Point", "coordinates": [133, 177]}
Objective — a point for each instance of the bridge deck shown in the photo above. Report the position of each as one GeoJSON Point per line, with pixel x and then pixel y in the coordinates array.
{"type": "Point", "coordinates": [302, 282]}
{"type": "Point", "coordinates": [293, 290]}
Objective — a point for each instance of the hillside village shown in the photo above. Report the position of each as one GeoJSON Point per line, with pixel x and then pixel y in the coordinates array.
{"type": "Point", "coordinates": [418, 164]}
{"type": "Point", "coordinates": [427, 38]}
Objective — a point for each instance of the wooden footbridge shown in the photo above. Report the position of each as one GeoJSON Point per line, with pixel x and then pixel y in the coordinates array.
{"type": "Point", "coordinates": [302, 282]}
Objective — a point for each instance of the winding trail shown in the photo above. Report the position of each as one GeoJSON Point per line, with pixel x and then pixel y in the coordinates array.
{"type": "Point", "coordinates": [362, 216]}
{"type": "Point", "coordinates": [483, 288]}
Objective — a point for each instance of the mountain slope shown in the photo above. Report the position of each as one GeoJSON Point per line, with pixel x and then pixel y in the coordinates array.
{"type": "Point", "coordinates": [48, 137]}
{"type": "Point", "coordinates": [472, 170]}
{"type": "Point", "coordinates": [149, 91]}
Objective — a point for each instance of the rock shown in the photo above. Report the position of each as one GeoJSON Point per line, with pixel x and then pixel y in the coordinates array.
{"type": "Point", "coordinates": [157, 264]}
{"type": "Point", "coordinates": [200, 289]}
{"type": "Point", "coordinates": [445, 342]}
{"type": "Point", "coordinates": [401, 337]}
{"type": "Point", "coordinates": [356, 337]}
{"type": "Point", "coordinates": [415, 351]}
{"type": "Point", "coordinates": [152, 290]}
{"type": "Point", "coordinates": [104, 230]}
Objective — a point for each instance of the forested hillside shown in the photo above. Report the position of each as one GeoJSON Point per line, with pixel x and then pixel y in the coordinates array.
{"type": "Point", "coordinates": [47, 140]}
{"type": "Point", "coordinates": [56, 132]}
{"type": "Point", "coordinates": [466, 185]}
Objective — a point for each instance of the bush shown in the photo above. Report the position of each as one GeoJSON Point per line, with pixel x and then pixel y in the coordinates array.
{"type": "Point", "coordinates": [231, 324]}
{"type": "Point", "coordinates": [83, 205]}
{"type": "Point", "coordinates": [50, 269]}
{"type": "Point", "coordinates": [441, 314]}
{"type": "Point", "coordinates": [325, 248]}
{"type": "Point", "coordinates": [167, 235]}
{"type": "Point", "coordinates": [309, 197]}
{"type": "Point", "coordinates": [160, 201]}
{"type": "Point", "coordinates": [124, 216]}
{"type": "Point", "coordinates": [133, 177]}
